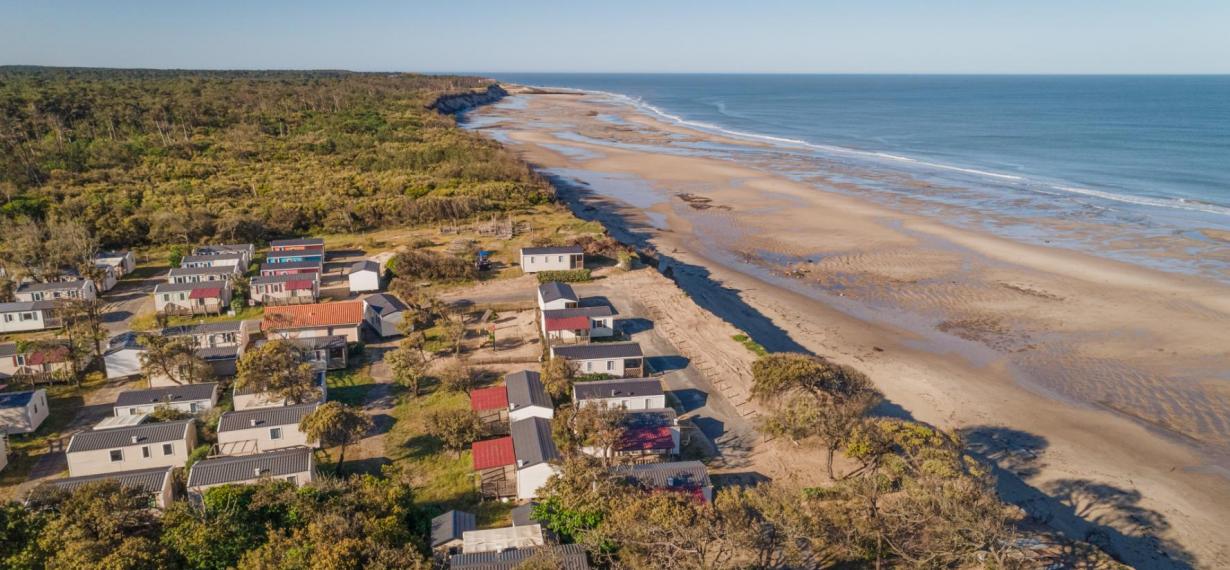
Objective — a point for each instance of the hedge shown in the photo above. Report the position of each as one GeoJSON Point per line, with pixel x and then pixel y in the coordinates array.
{"type": "Point", "coordinates": [568, 276]}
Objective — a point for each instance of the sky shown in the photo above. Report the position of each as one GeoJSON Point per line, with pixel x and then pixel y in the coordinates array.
{"type": "Point", "coordinates": [667, 36]}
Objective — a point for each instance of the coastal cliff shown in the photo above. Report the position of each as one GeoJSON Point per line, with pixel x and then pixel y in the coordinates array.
{"type": "Point", "coordinates": [458, 102]}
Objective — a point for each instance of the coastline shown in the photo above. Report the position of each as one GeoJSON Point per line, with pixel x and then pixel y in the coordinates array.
{"type": "Point", "coordinates": [749, 247]}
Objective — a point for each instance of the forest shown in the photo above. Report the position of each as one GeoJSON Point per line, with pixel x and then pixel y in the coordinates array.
{"type": "Point", "coordinates": [147, 157]}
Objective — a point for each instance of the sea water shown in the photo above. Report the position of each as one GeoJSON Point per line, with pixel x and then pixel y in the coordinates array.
{"type": "Point", "coordinates": [1143, 157]}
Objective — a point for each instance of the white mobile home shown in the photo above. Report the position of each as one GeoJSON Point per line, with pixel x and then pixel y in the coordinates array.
{"type": "Point", "coordinates": [123, 356]}
{"type": "Point", "coordinates": [144, 446]}
{"type": "Point", "coordinates": [624, 393]}
{"type": "Point", "coordinates": [208, 298]}
{"type": "Point", "coordinates": [235, 260]}
{"type": "Point", "coordinates": [123, 262]}
{"type": "Point", "coordinates": [536, 455]}
{"type": "Point", "coordinates": [27, 316]}
{"type": "Point", "coordinates": [555, 295]}
{"type": "Point", "coordinates": [527, 397]}
{"type": "Point", "coordinates": [23, 412]}
{"type": "Point", "coordinates": [156, 482]}
{"type": "Point", "coordinates": [294, 464]}
{"type": "Point", "coordinates": [264, 429]}
{"type": "Point", "coordinates": [39, 363]}
{"type": "Point", "coordinates": [681, 476]}
{"type": "Point", "coordinates": [203, 274]}
{"type": "Point", "coordinates": [618, 359]}
{"type": "Point", "coordinates": [246, 250]}
{"type": "Point", "coordinates": [385, 314]}
{"type": "Point", "coordinates": [563, 258]}
{"type": "Point", "coordinates": [32, 292]}
{"type": "Point", "coordinates": [578, 324]}
{"type": "Point", "coordinates": [188, 398]}
{"type": "Point", "coordinates": [287, 289]}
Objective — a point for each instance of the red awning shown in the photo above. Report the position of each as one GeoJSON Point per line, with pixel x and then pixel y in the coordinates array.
{"type": "Point", "coordinates": [647, 439]}
{"type": "Point", "coordinates": [568, 324]}
{"type": "Point", "coordinates": [299, 285]}
{"type": "Point", "coordinates": [493, 398]}
{"type": "Point", "coordinates": [206, 293]}
{"type": "Point", "coordinates": [493, 453]}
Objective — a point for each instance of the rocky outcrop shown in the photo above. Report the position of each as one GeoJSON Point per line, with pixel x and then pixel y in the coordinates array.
{"type": "Point", "coordinates": [458, 102]}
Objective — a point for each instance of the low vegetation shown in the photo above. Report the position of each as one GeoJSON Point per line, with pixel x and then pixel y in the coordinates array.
{"type": "Point", "coordinates": [565, 276]}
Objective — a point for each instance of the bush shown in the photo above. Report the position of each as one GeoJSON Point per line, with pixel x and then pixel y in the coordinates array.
{"type": "Point", "coordinates": [568, 276]}
{"type": "Point", "coordinates": [421, 264]}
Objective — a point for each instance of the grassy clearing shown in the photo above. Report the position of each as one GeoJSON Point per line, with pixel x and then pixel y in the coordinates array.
{"type": "Point", "coordinates": [350, 387]}
{"type": "Point", "coordinates": [750, 344]}
{"type": "Point", "coordinates": [443, 479]}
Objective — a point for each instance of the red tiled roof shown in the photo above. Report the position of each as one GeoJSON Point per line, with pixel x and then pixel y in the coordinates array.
{"type": "Point", "coordinates": [493, 453]}
{"type": "Point", "coordinates": [647, 439]}
{"type": "Point", "coordinates": [206, 293]}
{"type": "Point", "coordinates": [304, 285]}
{"type": "Point", "coordinates": [568, 324]}
{"type": "Point", "coordinates": [493, 398]}
{"type": "Point", "coordinates": [313, 315]}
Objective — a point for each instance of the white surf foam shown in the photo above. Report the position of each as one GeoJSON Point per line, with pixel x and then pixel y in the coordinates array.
{"type": "Point", "coordinates": [1025, 183]}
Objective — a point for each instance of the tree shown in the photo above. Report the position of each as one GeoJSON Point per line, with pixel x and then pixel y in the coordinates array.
{"type": "Point", "coordinates": [24, 249]}
{"type": "Point", "coordinates": [334, 424]}
{"type": "Point", "coordinates": [174, 358]}
{"type": "Point", "coordinates": [100, 525]}
{"type": "Point", "coordinates": [557, 377]}
{"type": "Point", "coordinates": [175, 255]}
{"type": "Point", "coordinates": [455, 428]}
{"type": "Point", "coordinates": [71, 244]}
{"type": "Point", "coordinates": [83, 324]}
{"type": "Point", "coordinates": [457, 376]}
{"type": "Point", "coordinates": [812, 398]}
{"type": "Point", "coordinates": [407, 365]}
{"type": "Point", "coordinates": [597, 426]}
{"type": "Point", "coordinates": [278, 367]}
{"type": "Point", "coordinates": [454, 332]}
{"type": "Point", "coordinates": [19, 531]}
{"type": "Point", "coordinates": [578, 496]}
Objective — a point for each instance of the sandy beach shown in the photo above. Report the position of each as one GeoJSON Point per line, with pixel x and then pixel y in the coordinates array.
{"type": "Point", "coordinates": [1098, 387]}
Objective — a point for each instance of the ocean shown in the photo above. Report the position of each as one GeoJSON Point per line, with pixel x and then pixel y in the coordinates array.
{"type": "Point", "coordinates": [1143, 159]}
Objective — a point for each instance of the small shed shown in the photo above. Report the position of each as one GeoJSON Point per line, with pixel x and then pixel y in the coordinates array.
{"type": "Point", "coordinates": [23, 412]}
{"type": "Point", "coordinates": [365, 276]}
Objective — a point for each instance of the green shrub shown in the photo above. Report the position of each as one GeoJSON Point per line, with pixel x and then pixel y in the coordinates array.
{"type": "Point", "coordinates": [567, 276]}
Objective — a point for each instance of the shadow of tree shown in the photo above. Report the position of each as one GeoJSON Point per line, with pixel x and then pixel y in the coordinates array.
{"type": "Point", "coordinates": [1104, 515]}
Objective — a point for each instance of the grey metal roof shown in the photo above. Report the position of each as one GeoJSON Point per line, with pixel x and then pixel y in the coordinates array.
{"type": "Point", "coordinates": [532, 441]}
{"type": "Point", "coordinates": [221, 249]}
{"type": "Point", "coordinates": [27, 306]}
{"type": "Point", "coordinates": [203, 328]}
{"type": "Point", "coordinates": [554, 291]}
{"type": "Point", "coordinates": [16, 399]}
{"type": "Point", "coordinates": [617, 388]}
{"type": "Point", "coordinates": [179, 287]}
{"type": "Point", "coordinates": [264, 417]}
{"type": "Point", "coordinates": [267, 279]}
{"type": "Point", "coordinates": [203, 270]}
{"type": "Point", "coordinates": [666, 475]}
{"type": "Point", "coordinates": [220, 470]}
{"type": "Point", "coordinates": [385, 303]}
{"type": "Point", "coordinates": [598, 311]}
{"type": "Point", "coordinates": [523, 515]}
{"type": "Point", "coordinates": [292, 265]}
{"type": "Point", "coordinates": [568, 556]}
{"type": "Point", "coordinates": [297, 241]}
{"type": "Point", "coordinates": [123, 437]}
{"type": "Point", "coordinates": [525, 389]}
{"type": "Point", "coordinates": [218, 353]}
{"type": "Point", "coordinates": [551, 250]}
{"type": "Point", "coordinates": [29, 286]}
{"type": "Point", "coordinates": [598, 350]}
{"type": "Point", "coordinates": [450, 525]}
{"type": "Point", "coordinates": [236, 255]}
{"type": "Point", "coordinates": [365, 265]}
{"type": "Point", "coordinates": [169, 394]}
{"type": "Point", "coordinates": [148, 480]}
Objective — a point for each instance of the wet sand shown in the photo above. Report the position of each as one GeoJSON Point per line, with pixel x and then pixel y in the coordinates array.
{"type": "Point", "coordinates": [1100, 388]}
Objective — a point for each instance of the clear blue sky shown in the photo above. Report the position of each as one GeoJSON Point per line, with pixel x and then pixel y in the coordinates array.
{"type": "Point", "coordinates": [847, 36]}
